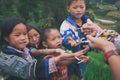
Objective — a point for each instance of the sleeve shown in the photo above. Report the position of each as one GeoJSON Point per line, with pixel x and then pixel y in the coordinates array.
{"type": "Point", "coordinates": [86, 19]}
{"type": "Point", "coordinates": [66, 32]}
{"type": "Point", "coordinates": [17, 66]}
{"type": "Point", "coordinates": [52, 66]}
{"type": "Point", "coordinates": [42, 69]}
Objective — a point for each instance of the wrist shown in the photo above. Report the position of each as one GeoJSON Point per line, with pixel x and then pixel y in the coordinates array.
{"type": "Point", "coordinates": [107, 48]}
{"type": "Point", "coordinates": [110, 53]}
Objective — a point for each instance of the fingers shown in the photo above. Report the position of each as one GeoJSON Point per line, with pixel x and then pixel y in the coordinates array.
{"type": "Point", "coordinates": [90, 29]}
{"type": "Point", "coordinates": [72, 42]}
{"type": "Point", "coordinates": [79, 53]}
{"type": "Point", "coordinates": [86, 48]}
{"type": "Point", "coordinates": [90, 38]}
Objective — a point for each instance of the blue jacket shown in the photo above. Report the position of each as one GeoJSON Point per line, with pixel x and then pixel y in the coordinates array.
{"type": "Point", "coordinates": [69, 29]}
{"type": "Point", "coordinates": [18, 68]}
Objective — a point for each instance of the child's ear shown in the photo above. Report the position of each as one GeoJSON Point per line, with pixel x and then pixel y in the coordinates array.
{"type": "Point", "coordinates": [68, 9]}
{"type": "Point", "coordinates": [44, 44]}
{"type": "Point", "coordinates": [6, 39]}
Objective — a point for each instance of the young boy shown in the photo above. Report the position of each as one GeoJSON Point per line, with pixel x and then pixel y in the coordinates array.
{"type": "Point", "coordinates": [72, 35]}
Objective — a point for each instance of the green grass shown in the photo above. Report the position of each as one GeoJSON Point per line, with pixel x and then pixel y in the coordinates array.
{"type": "Point", "coordinates": [97, 69]}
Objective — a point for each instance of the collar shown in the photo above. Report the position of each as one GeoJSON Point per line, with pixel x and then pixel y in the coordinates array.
{"type": "Point", "coordinates": [71, 20]}
{"type": "Point", "coordinates": [11, 50]}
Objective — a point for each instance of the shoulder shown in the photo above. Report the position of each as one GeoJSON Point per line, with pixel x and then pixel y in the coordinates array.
{"type": "Point", "coordinates": [11, 59]}
{"type": "Point", "coordinates": [86, 18]}
{"type": "Point", "coordinates": [66, 25]}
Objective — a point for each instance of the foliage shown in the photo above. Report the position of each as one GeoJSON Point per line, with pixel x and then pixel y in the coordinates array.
{"type": "Point", "coordinates": [106, 7]}
{"type": "Point", "coordinates": [48, 12]}
{"type": "Point", "coordinates": [118, 27]}
{"type": "Point", "coordinates": [114, 14]}
{"type": "Point", "coordinates": [97, 69]}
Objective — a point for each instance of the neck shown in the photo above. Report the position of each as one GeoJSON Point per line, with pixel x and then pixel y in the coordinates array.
{"type": "Point", "coordinates": [78, 22]}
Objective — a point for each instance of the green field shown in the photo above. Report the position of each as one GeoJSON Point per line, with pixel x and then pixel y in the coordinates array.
{"type": "Point", "coordinates": [97, 69]}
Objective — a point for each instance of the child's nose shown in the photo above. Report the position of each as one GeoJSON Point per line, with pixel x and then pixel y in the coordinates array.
{"type": "Point", "coordinates": [34, 38]}
{"type": "Point", "coordinates": [23, 37]}
{"type": "Point", "coordinates": [78, 9]}
{"type": "Point", "coordinates": [58, 41]}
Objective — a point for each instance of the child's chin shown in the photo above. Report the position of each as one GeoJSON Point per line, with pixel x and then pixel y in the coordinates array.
{"type": "Point", "coordinates": [21, 48]}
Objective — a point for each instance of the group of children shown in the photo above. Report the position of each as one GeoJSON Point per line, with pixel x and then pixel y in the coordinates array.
{"type": "Point", "coordinates": [30, 54]}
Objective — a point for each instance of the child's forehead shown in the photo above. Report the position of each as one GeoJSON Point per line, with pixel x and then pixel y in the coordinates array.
{"type": "Point", "coordinates": [53, 31]}
{"type": "Point", "coordinates": [19, 26]}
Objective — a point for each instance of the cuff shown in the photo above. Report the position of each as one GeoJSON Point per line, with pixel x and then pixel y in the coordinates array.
{"type": "Point", "coordinates": [52, 66]}
{"type": "Point", "coordinates": [109, 54]}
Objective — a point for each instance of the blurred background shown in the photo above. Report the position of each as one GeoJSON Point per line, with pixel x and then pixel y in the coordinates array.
{"type": "Point", "coordinates": [52, 12]}
{"type": "Point", "coordinates": [44, 13]}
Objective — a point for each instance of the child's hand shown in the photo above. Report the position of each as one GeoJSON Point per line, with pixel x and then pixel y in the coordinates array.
{"type": "Point", "coordinates": [60, 51]}
{"type": "Point", "coordinates": [84, 59]}
{"type": "Point", "coordinates": [64, 59]}
{"type": "Point", "coordinates": [72, 42]}
{"type": "Point", "coordinates": [81, 52]}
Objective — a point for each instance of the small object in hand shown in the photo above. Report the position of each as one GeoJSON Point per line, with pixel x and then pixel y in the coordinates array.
{"type": "Point", "coordinates": [69, 52]}
{"type": "Point", "coordinates": [83, 59]}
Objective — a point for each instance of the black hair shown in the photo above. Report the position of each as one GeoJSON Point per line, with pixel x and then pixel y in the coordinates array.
{"type": "Point", "coordinates": [45, 33]}
{"type": "Point", "coordinates": [69, 2]}
{"type": "Point", "coordinates": [7, 27]}
{"type": "Point", "coordinates": [30, 27]}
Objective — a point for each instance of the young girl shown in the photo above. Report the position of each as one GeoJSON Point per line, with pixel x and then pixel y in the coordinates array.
{"type": "Point", "coordinates": [71, 33]}
{"type": "Point", "coordinates": [34, 43]}
{"type": "Point", "coordinates": [15, 59]}
{"type": "Point", "coordinates": [51, 39]}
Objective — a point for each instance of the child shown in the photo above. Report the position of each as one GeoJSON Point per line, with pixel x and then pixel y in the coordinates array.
{"type": "Point", "coordinates": [72, 35]}
{"type": "Point", "coordinates": [51, 39]}
{"type": "Point", "coordinates": [15, 59]}
{"type": "Point", "coordinates": [34, 43]}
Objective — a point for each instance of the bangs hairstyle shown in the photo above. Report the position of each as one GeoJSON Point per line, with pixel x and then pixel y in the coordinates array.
{"type": "Point", "coordinates": [69, 2]}
{"type": "Point", "coordinates": [29, 27]}
{"type": "Point", "coordinates": [7, 27]}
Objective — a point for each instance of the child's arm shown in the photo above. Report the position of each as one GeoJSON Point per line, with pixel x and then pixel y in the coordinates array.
{"type": "Point", "coordinates": [47, 51]}
{"type": "Point", "coordinates": [68, 34]}
{"type": "Point", "coordinates": [71, 57]}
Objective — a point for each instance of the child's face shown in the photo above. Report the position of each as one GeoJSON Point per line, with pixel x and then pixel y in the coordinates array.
{"type": "Point", "coordinates": [34, 37]}
{"type": "Point", "coordinates": [54, 39]}
{"type": "Point", "coordinates": [77, 8]}
{"type": "Point", "coordinates": [18, 37]}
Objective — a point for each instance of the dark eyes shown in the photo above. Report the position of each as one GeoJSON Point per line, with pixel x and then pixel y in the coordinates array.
{"type": "Point", "coordinates": [56, 38]}
{"type": "Point", "coordinates": [81, 7]}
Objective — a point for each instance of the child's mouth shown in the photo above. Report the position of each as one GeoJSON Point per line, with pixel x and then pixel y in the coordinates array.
{"type": "Point", "coordinates": [59, 46]}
